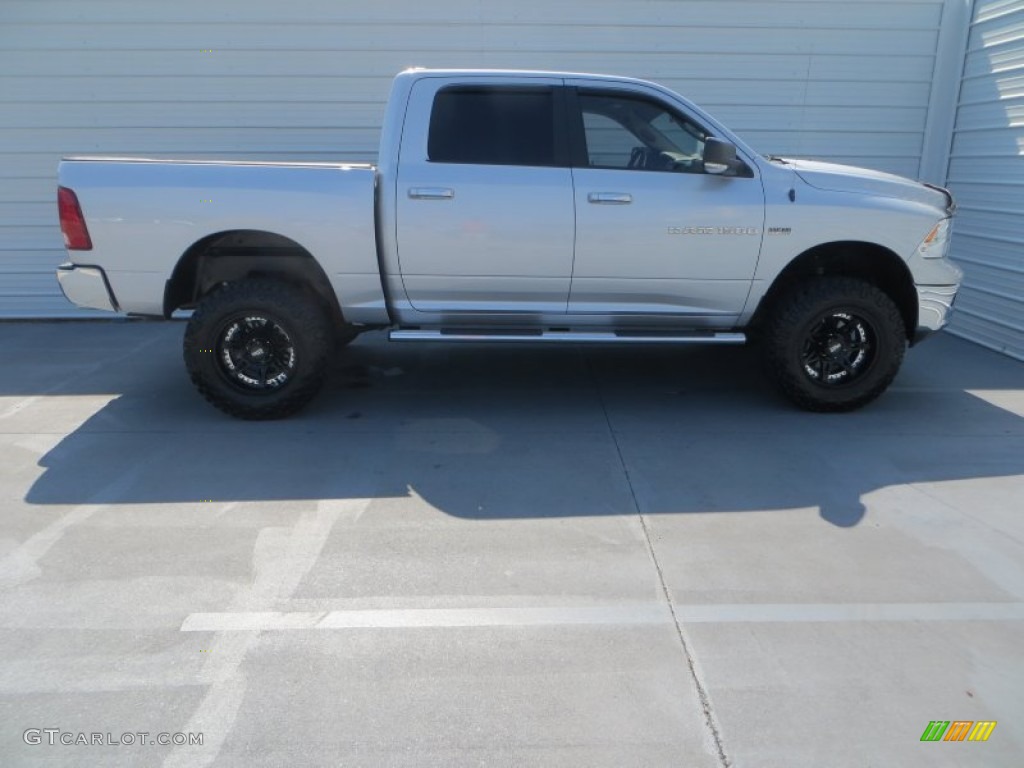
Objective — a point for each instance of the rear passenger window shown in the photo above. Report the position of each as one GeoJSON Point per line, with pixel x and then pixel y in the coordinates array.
{"type": "Point", "coordinates": [493, 126]}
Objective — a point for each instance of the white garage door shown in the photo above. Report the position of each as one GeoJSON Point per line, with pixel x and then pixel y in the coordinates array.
{"type": "Point", "coordinates": [848, 81]}
{"type": "Point", "coordinates": [986, 173]}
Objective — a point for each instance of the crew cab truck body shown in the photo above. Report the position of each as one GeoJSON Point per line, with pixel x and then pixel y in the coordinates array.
{"type": "Point", "coordinates": [517, 206]}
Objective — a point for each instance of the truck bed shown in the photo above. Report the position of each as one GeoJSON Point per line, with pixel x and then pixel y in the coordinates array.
{"type": "Point", "coordinates": [145, 213]}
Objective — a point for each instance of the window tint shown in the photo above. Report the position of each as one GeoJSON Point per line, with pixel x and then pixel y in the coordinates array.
{"type": "Point", "coordinates": [493, 126]}
{"type": "Point", "coordinates": [609, 144]}
{"type": "Point", "coordinates": [638, 134]}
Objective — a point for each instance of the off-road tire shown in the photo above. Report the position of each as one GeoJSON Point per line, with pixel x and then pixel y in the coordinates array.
{"type": "Point", "coordinates": [818, 330]}
{"type": "Point", "coordinates": [282, 321]}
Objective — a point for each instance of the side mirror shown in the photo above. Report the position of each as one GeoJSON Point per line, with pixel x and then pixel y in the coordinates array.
{"type": "Point", "coordinates": [719, 155]}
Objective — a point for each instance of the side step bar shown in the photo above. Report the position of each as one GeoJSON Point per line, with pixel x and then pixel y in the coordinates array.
{"type": "Point", "coordinates": [572, 337]}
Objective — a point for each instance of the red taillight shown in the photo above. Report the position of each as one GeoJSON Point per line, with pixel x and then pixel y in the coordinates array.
{"type": "Point", "coordinates": [72, 223]}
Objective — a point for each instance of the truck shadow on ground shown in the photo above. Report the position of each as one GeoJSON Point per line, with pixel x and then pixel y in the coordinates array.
{"type": "Point", "coordinates": [487, 432]}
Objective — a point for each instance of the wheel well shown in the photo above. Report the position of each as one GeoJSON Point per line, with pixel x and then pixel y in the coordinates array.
{"type": "Point", "coordinates": [870, 262]}
{"type": "Point", "coordinates": [239, 254]}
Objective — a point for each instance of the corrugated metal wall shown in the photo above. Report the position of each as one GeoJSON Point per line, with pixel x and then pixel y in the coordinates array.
{"type": "Point", "coordinates": [986, 173]}
{"type": "Point", "coordinates": [848, 81]}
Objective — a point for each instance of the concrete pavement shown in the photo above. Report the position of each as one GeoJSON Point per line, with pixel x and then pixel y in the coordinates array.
{"type": "Point", "coordinates": [515, 555]}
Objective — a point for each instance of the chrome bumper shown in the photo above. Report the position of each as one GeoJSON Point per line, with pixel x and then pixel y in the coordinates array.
{"type": "Point", "coordinates": [934, 307]}
{"type": "Point", "coordinates": [86, 286]}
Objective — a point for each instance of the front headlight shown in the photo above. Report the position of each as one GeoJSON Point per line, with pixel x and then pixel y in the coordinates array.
{"type": "Point", "coordinates": [936, 243]}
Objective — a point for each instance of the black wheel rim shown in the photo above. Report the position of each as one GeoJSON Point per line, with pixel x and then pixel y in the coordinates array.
{"type": "Point", "coordinates": [838, 350]}
{"type": "Point", "coordinates": [256, 354]}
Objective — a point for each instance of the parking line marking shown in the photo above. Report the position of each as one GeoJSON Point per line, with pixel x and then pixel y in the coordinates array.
{"type": "Point", "coordinates": [20, 565]}
{"type": "Point", "coordinates": [644, 613]}
{"type": "Point", "coordinates": [281, 559]}
{"type": "Point", "coordinates": [850, 612]}
{"type": "Point", "coordinates": [409, 618]}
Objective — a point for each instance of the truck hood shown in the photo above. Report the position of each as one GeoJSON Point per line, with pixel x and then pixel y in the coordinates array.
{"type": "Point", "coordinates": [848, 178]}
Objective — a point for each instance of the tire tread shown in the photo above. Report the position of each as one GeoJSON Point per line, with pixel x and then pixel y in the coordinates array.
{"type": "Point", "coordinates": [303, 313]}
{"type": "Point", "coordinates": [808, 298]}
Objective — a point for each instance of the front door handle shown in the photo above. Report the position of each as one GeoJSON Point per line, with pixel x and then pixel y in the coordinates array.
{"type": "Point", "coordinates": [431, 193]}
{"type": "Point", "coordinates": [609, 198]}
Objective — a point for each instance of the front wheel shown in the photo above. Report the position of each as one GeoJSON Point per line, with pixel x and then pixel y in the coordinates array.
{"type": "Point", "coordinates": [258, 348]}
{"type": "Point", "coordinates": [834, 343]}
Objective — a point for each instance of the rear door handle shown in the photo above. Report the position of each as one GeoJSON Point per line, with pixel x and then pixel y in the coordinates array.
{"type": "Point", "coordinates": [431, 193]}
{"type": "Point", "coordinates": [609, 198]}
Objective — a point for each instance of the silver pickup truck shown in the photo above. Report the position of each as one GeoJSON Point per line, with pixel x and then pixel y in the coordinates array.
{"type": "Point", "coordinates": [517, 207]}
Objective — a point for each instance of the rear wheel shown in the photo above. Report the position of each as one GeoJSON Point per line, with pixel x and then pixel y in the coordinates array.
{"type": "Point", "coordinates": [258, 348]}
{"type": "Point", "coordinates": [834, 343]}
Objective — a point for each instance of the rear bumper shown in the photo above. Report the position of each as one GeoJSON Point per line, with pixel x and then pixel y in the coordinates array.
{"type": "Point", "coordinates": [934, 308]}
{"type": "Point", "coordinates": [86, 286]}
